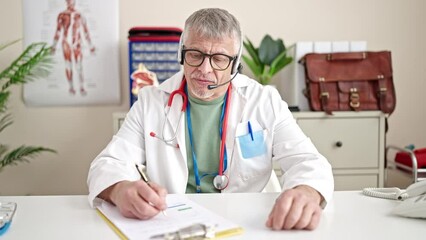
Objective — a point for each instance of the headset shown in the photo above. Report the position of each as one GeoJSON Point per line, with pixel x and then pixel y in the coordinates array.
{"type": "Point", "coordinates": [236, 64]}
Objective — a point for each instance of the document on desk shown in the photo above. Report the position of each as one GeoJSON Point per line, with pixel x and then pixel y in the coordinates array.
{"type": "Point", "coordinates": [181, 213]}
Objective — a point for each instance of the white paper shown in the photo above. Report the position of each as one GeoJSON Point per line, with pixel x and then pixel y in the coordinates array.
{"type": "Point", "coordinates": [94, 77]}
{"type": "Point", "coordinates": [181, 212]}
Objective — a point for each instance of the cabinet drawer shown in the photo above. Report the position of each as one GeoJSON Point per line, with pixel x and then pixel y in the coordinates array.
{"type": "Point", "coordinates": [354, 182]}
{"type": "Point", "coordinates": [359, 139]}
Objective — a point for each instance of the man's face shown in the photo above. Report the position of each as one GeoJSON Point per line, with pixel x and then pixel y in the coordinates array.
{"type": "Point", "coordinates": [198, 78]}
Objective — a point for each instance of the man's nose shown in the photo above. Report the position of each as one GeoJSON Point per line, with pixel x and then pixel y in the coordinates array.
{"type": "Point", "coordinates": [206, 66]}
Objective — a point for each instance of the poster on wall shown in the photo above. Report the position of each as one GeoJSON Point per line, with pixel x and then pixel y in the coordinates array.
{"type": "Point", "coordinates": [84, 38]}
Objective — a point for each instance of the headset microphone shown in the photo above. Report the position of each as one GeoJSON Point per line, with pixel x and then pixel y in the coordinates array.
{"type": "Point", "coordinates": [211, 87]}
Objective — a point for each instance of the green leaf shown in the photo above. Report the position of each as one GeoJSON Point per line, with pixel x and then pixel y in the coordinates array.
{"type": "Point", "coordinates": [255, 68]}
{"type": "Point", "coordinates": [270, 49]}
{"type": "Point", "coordinates": [279, 63]}
{"type": "Point", "coordinates": [252, 51]}
{"type": "Point", "coordinates": [35, 58]}
{"type": "Point", "coordinates": [4, 96]}
{"type": "Point", "coordinates": [5, 121]}
{"type": "Point", "coordinates": [22, 154]}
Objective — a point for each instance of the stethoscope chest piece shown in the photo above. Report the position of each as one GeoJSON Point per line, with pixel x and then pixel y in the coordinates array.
{"type": "Point", "coordinates": [220, 182]}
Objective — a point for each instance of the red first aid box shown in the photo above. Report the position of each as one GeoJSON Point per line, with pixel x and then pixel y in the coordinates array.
{"type": "Point", "coordinates": [404, 158]}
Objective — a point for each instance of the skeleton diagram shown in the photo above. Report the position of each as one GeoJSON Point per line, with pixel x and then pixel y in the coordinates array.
{"type": "Point", "coordinates": [70, 26]}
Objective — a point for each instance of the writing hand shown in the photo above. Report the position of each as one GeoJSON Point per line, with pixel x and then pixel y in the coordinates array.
{"type": "Point", "coordinates": [297, 208]}
{"type": "Point", "coordinates": [138, 199]}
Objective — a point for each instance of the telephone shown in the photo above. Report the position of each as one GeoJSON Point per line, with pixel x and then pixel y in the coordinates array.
{"type": "Point", "coordinates": [414, 199]}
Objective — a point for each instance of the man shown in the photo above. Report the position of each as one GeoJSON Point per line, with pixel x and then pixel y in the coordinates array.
{"type": "Point", "coordinates": [189, 156]}
{"type": "Point", "coordinates": [70, 22]}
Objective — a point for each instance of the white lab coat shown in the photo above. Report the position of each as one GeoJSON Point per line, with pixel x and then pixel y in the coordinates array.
{"type": "Point", "coordinates": [166, 165]}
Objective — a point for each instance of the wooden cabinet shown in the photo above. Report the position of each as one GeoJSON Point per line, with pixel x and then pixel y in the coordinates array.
{"type": "Point", "coordinates": [353, 143]}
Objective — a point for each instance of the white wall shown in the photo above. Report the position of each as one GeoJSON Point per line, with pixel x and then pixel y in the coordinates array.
{"type": "Point", "coordinates": [80, 133]}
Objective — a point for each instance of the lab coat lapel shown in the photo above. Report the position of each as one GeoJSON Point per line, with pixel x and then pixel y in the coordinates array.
{"type": "Point", "coordinates": [237, 107]}
{"type": "Point", "coordinates": [173, 119]}
{"type": "Point", "coordinates": [175, 112]}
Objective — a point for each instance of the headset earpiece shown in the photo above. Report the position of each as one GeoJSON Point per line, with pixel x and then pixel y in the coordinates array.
{"type": "Point", "coordinates": [236, 65]}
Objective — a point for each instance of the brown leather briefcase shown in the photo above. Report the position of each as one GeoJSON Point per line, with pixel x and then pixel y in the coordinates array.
{"type": "Point", "coordinates": [349, 81]}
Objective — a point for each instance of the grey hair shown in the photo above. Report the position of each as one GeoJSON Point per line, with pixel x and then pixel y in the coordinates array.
{"type": "Point", "coordinates": [213, 23]}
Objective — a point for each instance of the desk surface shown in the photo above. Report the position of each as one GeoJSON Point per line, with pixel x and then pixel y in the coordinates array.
{"type": "Point", "coordinates": [350, 215]}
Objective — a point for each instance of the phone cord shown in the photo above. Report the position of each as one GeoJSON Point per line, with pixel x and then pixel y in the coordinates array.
{"type": "Point", "coordinates": [388, 193]}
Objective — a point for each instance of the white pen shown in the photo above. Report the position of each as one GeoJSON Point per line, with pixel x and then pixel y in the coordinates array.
{"type": "Point", "coordinates": [146, 180]}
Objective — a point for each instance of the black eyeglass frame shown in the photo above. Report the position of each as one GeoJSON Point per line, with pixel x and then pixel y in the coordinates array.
{"type": "Point", "coordinates": [210, 58]}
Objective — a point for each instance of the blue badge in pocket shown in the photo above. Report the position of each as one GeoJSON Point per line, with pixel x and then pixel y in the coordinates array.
{"type": "Point", "coordinates": [252, 144]}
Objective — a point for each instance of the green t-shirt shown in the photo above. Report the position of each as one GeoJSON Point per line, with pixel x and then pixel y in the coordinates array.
{"type": "Point", "coordinates": [205, 118]}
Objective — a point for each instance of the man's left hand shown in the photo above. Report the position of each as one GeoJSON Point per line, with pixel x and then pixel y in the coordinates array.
{"type": "Point", "coordinates": [297, 208]}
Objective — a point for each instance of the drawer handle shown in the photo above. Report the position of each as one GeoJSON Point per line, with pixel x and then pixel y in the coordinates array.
{"type": "Point", "coordinates": [339, 144]}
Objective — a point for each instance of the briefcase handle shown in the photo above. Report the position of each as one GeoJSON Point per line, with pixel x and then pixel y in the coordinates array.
{"type": "Point", "coordinates": [346, 56]}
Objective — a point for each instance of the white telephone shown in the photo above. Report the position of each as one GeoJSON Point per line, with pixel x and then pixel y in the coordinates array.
{"type": "Point", "coordinates": [414, 199]}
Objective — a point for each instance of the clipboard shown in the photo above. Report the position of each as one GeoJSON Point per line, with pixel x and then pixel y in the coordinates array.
{"type": "Point", "coordinates": [184, 218]}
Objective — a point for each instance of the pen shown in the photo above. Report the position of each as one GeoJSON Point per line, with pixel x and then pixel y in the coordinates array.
{"type": "Point", "coordinates": [250, 130]}
{"type": "Point", "coordinates": [146, 180]}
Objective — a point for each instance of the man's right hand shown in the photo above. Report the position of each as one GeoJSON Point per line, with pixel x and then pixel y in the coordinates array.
{"type": "Point", "coordinates": [136, 199]}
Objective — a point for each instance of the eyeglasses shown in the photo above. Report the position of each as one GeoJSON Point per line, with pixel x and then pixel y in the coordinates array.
{"type": "Point", "coordinates": [218, 61]}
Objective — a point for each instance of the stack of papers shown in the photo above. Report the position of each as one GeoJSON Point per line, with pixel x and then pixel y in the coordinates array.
{"type": "Point", "coordinates": [181, 213]}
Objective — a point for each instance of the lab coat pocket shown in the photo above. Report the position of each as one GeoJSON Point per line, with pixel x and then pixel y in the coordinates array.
{"type": "Point", "coordinates": [252, 144]}
{"type": "Point", "coordinates": [253, 155]}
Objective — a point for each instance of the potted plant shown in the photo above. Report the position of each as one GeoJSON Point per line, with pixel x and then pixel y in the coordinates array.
{"type": "Point", "coordinates": [266, 60]}
{"type": "Point", "coordinates": [34, 62]}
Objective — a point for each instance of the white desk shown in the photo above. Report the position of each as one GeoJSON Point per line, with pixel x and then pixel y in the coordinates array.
{"type": "Point", "coordinates": [349, 216]}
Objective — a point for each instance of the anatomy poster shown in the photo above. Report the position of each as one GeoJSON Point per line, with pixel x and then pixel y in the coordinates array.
{"type": "Point", "coordinates": [83, 35]}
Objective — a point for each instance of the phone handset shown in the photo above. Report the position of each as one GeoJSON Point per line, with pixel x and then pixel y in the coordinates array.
{"type": "Point", "coordinates": [395, 193]}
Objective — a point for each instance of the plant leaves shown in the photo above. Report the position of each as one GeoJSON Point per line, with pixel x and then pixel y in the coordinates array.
{"type": "Point", "coordinates": [5, 121]}
{"type": "Point", "coordinates": [255, 68]}
{"type": "Point", "coordinates": [270, 49]}
{"type": "Point", "coordinates": [252, 51]}
{"type": "Point", "coordinates": [266, 60]}
{"type": "Point", "coordinates": [35, 57]}
{"type": "Point", "coordinates": [22, 154]}
{"type": "Point", "coordinates": [279, 63]}
{"type": "Point", "coordinates": [4, 96]}
{"type": "Point", "coordinates": [33, 62]}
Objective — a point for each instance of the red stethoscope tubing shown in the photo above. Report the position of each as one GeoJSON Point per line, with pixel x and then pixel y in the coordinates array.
{"type": "Point", "coordinates": [180, 91]}
{"type": "Point", "coordinates": [224, 130]}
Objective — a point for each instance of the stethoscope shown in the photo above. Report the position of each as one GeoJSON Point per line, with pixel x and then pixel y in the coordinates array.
{"type": "Point", "coordinates": [220, 181]}
{"type": "Point", "coordinates": [180, 91]}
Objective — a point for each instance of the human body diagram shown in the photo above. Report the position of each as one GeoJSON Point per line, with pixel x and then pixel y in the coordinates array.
{"type": "Point", "coordinates": [70, 28]}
